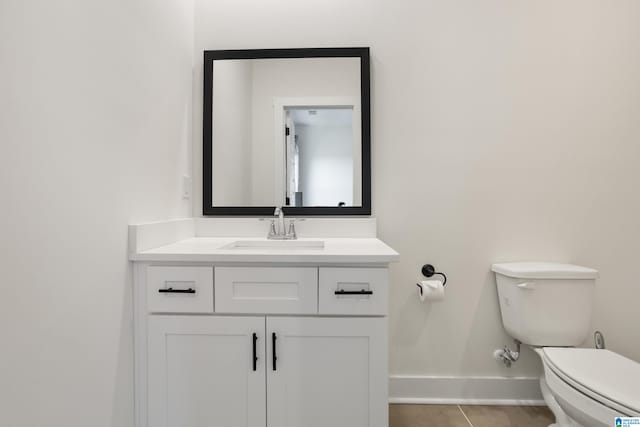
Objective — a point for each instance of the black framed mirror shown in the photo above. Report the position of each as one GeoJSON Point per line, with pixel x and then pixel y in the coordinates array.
{"type": "Point", "coordinates": [287, 127]}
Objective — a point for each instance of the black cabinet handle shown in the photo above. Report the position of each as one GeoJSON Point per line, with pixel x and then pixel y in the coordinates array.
{"type": "Point", "coordinates": [255, 354]}
{"type": "Point", "coordinates": [177, 291]}
{"type": "Point", "coordinates": [273, 349]}
{"type": "Point", "coordinates": [361, 292]}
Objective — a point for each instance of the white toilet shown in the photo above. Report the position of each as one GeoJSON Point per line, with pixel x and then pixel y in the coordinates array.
{"type": "Point", "coordinates": [548, 307]}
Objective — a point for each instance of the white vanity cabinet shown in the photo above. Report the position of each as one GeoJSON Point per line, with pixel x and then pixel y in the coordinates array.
{"type": "Point", "coordinates": [255, 345]}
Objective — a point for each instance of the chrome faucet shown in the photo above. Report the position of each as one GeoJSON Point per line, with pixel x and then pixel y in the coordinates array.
{"type": "Point", "coordinates": [277, 230]}
{"type": "Point", "coordinates": [279, 213]}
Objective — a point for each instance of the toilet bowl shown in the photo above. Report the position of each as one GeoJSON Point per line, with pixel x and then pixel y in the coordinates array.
{"type": "Point", "coordinates": [548, 307]}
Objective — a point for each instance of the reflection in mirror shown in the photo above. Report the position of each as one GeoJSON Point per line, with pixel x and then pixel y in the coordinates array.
{"type": "Point", "coordinates": [286, 132]}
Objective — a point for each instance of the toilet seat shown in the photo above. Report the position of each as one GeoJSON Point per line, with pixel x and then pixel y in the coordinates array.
{"type": "Point", "coordinates": [601, 375]}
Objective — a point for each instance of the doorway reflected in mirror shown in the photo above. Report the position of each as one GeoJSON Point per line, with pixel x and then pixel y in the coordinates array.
{"type": "Point", "coordinates": [319, 153]}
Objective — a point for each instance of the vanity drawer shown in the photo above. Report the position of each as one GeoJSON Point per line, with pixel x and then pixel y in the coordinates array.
{"type": "Point", "coordinates": [179, 289]}
{"type": "Point", "coordinates": [279, 290]}
{"type": "Point", "coordinates": [353, 291]}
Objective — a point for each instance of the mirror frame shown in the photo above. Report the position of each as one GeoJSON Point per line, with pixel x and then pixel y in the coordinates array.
{"type": "Point", "coordinates": [207, 135]}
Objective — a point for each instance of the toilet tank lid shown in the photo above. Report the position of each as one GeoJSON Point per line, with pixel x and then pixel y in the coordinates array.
{"type": "Point", "coordinates": [544, 270]}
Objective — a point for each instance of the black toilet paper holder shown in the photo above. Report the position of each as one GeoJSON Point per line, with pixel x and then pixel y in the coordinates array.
{"type": "Point", "coordinates": [429, 270]}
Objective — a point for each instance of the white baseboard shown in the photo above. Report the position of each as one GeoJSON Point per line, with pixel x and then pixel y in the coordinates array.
{"type": "Point", "coordinates": [465, 390]}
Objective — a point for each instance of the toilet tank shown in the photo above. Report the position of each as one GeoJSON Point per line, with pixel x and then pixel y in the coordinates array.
{"type": "Point", "coordinates": [546, 304]}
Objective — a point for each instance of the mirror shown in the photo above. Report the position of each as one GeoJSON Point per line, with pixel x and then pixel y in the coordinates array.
{"type": "Point", "coordinates": [286, 127]}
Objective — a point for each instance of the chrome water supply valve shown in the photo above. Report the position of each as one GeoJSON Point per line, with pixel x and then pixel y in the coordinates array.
{"type": "Point", "coordinates": [508, 356]}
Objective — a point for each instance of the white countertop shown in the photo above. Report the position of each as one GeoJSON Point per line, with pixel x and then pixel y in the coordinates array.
{"type": "Point", "coordinates": [210, 249]}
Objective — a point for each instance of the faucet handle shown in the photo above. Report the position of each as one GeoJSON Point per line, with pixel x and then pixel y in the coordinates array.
{"type": "Point", "coordinates": [292, 230]}
{"type": "Point", "coordinates": [272, 229]}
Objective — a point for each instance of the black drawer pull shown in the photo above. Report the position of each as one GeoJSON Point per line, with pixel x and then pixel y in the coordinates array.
{"type": "Point", "coordinates": [177, 291]}
{"type": "Point", "coordinates": [362, 292]}
{"type": "Point", "coordinates": [255, 354]}
{"type": "Point", "coordinates": [273, 350]}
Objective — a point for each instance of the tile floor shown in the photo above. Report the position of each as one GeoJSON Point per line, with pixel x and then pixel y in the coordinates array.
{"type": "Point", "coordinates": [469, 416]}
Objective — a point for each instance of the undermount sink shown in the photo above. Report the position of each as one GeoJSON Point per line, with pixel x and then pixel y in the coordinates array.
{"type": "Point", "coordinates": [275, 244]}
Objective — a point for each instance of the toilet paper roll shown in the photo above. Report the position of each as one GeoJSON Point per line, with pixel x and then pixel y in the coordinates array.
{"type": "Point", "coordinates": [432, 290]}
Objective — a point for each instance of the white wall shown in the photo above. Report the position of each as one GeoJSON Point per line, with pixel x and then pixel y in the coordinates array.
{"type": "Point", "coordinates": [502, 131]}
{"type": "Point", "coordinates": [326, 164]}
{"type": "Point", "coordinates": [95, 129]}
{"type": "Point", "coordinates": [232, 110]}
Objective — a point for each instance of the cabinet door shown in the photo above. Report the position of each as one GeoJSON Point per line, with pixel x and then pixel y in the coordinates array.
{"type": "Point", "coordinates": [327, 372]}
{"type": "Point", "coordinates": [201, 371]}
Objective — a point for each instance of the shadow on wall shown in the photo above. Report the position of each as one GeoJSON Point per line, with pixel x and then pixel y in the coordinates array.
{"type": "Point", "coordinates": [410, 323]}
{"type": "Point", "coordinates": [481, 342]}
{"type": "Point", "coordinates": [122, 404]}
{"type": "Point", "coordinates": [415, 324]}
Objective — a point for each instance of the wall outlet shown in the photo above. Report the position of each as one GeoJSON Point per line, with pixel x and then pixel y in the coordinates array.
{"type": "Point", "coordinates": [186, 187]}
